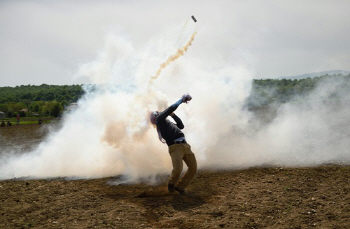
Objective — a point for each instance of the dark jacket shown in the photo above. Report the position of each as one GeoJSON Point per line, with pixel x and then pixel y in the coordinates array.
{"type": "Point", "coordinates": [169, 130]}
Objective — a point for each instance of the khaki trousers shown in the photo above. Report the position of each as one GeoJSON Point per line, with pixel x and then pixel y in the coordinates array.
{"type": "Point", "coordinates": [179, 153]}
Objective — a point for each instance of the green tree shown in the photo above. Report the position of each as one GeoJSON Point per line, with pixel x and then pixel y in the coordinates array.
{"type": "Point", "coordinates": [64, 103]}
{"type": "Point", "coordinates": [56, 109]}
{"type": "Point", "coordinates": [4, 108]}
{"type": "Point", "coordinates": [23, 114]}
{"type": "Point", "coordinates": [10, 114]}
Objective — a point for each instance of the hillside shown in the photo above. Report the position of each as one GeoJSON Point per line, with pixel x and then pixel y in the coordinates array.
{"type": "Point", "coordinates": [315, 74]}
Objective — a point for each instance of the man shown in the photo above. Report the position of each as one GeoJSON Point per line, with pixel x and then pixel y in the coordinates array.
{"type": "Point", "coordinates": [179, 150]}
{"type": "Point", "coordinates": [18, 117]}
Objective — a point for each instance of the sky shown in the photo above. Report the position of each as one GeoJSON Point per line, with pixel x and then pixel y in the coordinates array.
{"type": "Point", "coordinates": [48, 41]}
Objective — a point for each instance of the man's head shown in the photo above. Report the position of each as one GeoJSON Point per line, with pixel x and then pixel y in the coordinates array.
{"type": "Point", "coordinates": [153, 117]}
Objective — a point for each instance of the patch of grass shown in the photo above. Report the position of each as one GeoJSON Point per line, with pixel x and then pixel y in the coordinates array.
{"type": "Point", "coordinates": [26, 120]}
{"type": "Point", "coordinates": [25, 225]}
{"type": "Point", "coordinates": [29, 122]}
{"type": "Point", "coordinates": [287, 188]}
{"type": "Point", "coordinates": [288, 207]}
{"type": "Point", "coordinates": [343, 169]}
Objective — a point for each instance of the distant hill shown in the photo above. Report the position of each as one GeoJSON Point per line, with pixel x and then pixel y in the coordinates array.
{"type": "Point", "coordinates": [314, 74]}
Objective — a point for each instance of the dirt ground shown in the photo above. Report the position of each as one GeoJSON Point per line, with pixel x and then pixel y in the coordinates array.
{"type": "Point", "coordinates": [274, 197]}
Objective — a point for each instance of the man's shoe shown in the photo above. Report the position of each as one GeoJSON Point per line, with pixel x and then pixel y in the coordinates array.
{"type": "Point", "coordinates": [171, 187]}
{"type": "Point", "coordinates": [182, 192]}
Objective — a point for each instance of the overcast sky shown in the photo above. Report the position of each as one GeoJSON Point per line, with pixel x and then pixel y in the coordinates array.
{"type": "Point", "coordinates": [47, 41]}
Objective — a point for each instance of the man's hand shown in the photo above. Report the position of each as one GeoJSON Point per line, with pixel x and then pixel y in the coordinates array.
{"type": "Point", "coordinates": [186, 98]}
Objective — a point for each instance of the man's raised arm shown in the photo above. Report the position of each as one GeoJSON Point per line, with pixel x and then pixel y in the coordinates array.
{"type": "Point", "coordinates": [184, 99]}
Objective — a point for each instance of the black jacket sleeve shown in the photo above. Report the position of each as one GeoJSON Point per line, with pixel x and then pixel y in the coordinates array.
{"type": "Point", "coordinates": [162, 116]}
{"type": "Point", "coordinates": [178, 121]}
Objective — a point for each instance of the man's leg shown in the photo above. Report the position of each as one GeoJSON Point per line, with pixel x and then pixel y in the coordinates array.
{"type": "Point", "coordinates": [176, 153]}
{"type": "Point", "coordinates": [191, 163]}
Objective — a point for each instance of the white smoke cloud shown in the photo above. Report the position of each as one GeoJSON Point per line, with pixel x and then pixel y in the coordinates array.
{"type": "Point", "coordinates": [110, 133]}
{"type": "Point", "coordinates": [309, 131]}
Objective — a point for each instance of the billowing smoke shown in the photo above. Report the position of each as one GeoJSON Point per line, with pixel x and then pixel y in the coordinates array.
{"type": "Point", "coordinates": [110, 134]}
{"type": "Point", "coordinates": [308, 131]}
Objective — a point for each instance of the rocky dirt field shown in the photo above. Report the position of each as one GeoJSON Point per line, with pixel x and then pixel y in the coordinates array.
{"type": "Point", "coordinates": [274, 197]}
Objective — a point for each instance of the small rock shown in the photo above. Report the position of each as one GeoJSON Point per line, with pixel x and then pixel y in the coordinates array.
{"type": "Point", "coordinates": [312, 211]}
{"type": "Point", "coordinates": [218, 214]}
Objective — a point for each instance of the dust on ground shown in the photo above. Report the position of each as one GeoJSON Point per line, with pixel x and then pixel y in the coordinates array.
{"type": "Point", "coordinates": [274, 197]}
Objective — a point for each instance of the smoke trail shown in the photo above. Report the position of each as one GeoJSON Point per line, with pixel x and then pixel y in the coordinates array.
{"type": "Point", "coordinates": [180, 52]}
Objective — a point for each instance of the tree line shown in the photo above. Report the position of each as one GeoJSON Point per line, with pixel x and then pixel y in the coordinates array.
{"type": "Point", "coordinates": [28, 100]}
{"type": "Point", "coordinates": [44, 92]}
{"type": "Point", "coordinates": [277, 91]}
{"type": "Point", "coordinates": [52, 99]}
